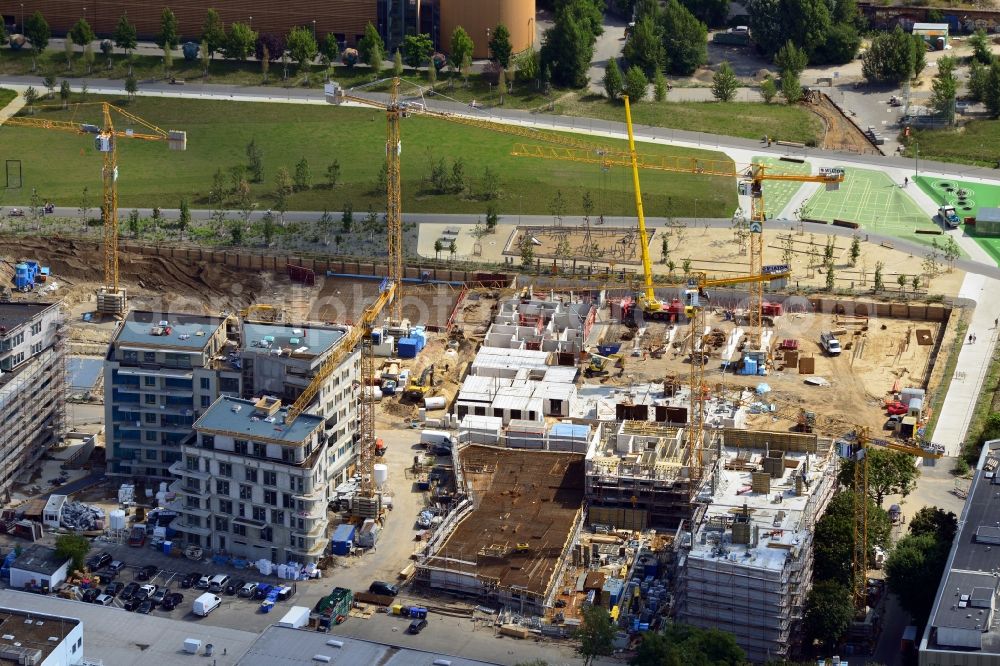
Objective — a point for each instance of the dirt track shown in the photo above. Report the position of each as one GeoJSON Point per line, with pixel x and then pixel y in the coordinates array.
{"type": "Point", "coordinates": [840, 133]}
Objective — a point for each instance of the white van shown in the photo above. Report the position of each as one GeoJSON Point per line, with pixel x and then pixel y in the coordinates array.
{"type": "Point", "coordinates": [205, 604]}
{"type": "Point", "coordinates": [218, 583]}
{"type": "Point", "coordinates": [436, 440]}
{"type": "Point", "coordinates": [829, 343]}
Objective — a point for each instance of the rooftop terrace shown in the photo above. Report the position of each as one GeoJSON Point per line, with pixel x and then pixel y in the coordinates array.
{"type": "Point", "coordinates": [158, 330]}
{"type": "Point", "coordinates": [245, 420]}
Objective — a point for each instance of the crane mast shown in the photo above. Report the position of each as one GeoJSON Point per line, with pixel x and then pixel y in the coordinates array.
{"type": "Point", "coordinates": [647, 300]}
{"type": "Point", "coordinates": [393, 205]}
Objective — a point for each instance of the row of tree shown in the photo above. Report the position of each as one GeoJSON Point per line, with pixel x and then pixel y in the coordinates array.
{"type": "Point", "coordinates": [827, 31]}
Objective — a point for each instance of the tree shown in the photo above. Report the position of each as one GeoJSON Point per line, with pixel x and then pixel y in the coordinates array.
{"type": "Point", "coordinates": [919, 55]}
{"type": "Point", "coordinates": [901, 281]}
{"type": "Point", "coordinates": [500, 46]}
{"type": "Point", "coordinates": [791, 89]}
{"type": "Point", "coordinates": [644, 47]}
{"type": "Point", "coordinates": [613, 83]}
{"type": "Point", "coordinates": [878, 286]}
{"type": "Point", "coordinates": [73, 547]}
{"type": "Point", "coordinates": [491, 218]}
{"type": "Point", "coordinates": [914, 569]}
{"type": "Point", "coordinates": [710, 12]}
{"type": "Point", "coordinates": [68, 44]}
{"type": "Point", "coordinates": [840, 46]}
{"type": "Point", "coordinates": [417, 49]}
{"type": "Point", "coordinates": [131, 86]}
{"type": "Point", "coordinates": [265, 62]}
{"type": "Point", "coordinates": [168, 59]}
{"type": "Point", "coordinates": [936, 522]}
{"type": "Point", "coordinates": [371, 45]}
{"type": "Point", "coordinates": [374, 62]}
{"type": "Point", "coordinates": [828, 268]}
{"type": "Point", "coordinates": [724, 83]}
{"type": "Point", "coordinates": [980, 43]}
{"type": "Point", "coordinates": [526, 63]}
{"type": "Point", "coordinates": [30, 97]}
{"type": "Point", "coordinates": [979, 76]}
{"type": "Point", "coordinates": [489, 185]}
{"type": "Point", "coordinates": [206, 57]}
{"type": "Point", "coordinates": [213, 32]}
{"type": "Point", "coordinates": [889, 472]}
{"type": "Point", "coordinates": [685, 39]}
{"type": "Point", "coordinates": [889, 58]}
{"type": "Point", "coordinates": [659, 87]}
{"type": "Point", "coordinates": [133, 222]}
{"type": "Point", "coordinates": [596, 633]}
{"type": "Point", "coordinates": [64, 93]}
{"type": "Point", "coordinates": [791, 58]}
{"type": "Point", "coordinates": [834, 537]}
{"type": "Point", "coordinates": [397, 64]}
{"type": "Point", "coordinates": [50, 84]}
{"type": "Point", "coordinates": [855, 251]}
{"type": "Point", "coordinates": [991, 96]}
{"type": "Point", "coordinates": [944, 89]}
{"type": "Point", "coordinates": [347, 217]}
{"type": "Point", "coordinates": [183, 216]}
{"type": "Point", "coordinates": [656, 650]}
{"type": "Point", "coordinates": [567, 49]}
{"type": "Point", "coordinates": [302, 46]}
{"type": "Point", "coordinates": [333, 173]}
{"type": "Point", "coordinates": [36, 29]}
{"type": "Point", "coordinates": [81, 33]}
{"type": "Point", "coordinates": [240, 42]}
{"type": "Point", "coordinates": [452, 248]}
{"type": "Point", "coordinates": [461, 46]}
{"type": "Point", "coordinates": [283, 188]}
{"type": "Point", "coordinates": [236, 232]}
{"type": "Point", "coordinates": [828, 613]}
{"type": "Point", "coordinates": [951, 252]}
{"type": "Point", "coordinates": [527, 251]}
{"type": "Point", "coordinates": [302, 176]}
{"type": "Point", "coordinates": [331, 47]}
{"type": "Point", "coordinates": [438, 247]}
{"type": "Point", "coordinates": [768, 89]}
{"type": "Point", "coordinates": [636, 84]}
{"type": "Point", "coordinates": [168, 37]}
{"type": "Point", "coordinates": [125, 35]}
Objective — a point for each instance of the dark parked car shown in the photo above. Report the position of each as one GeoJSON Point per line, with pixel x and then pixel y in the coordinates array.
{"type": "Point", "coordinates": [235, 585]}
{"type": "Point", "coordinates": [172, 601]}
{"type": "Point", "coordinates": [128, 591]}
{"type": "Point", "coordinates": [114, 589]}
{"type": "Point", "coordinates": [99, 561]}
{"type": "Point", "coordinates": [140, 595]}
{"type": "Point", "coordinates": [132, 604]}
{"type": "Point", "coordinates": [158, 596]}
{"type": "Point", "coordinates": [147, 572]}
{"type": "Point", "coordinates": [90, 594]}
{"type": "Point", "coordinates": [145, 607]}
{"type": "Point", "coordinates": [116, 566]}
{"type": "Point", "coordinates": [416, 626]}
{"type": "Point", "coordinates": [383, 588]}
{"type": "Point", "coordinates": [190, 580]}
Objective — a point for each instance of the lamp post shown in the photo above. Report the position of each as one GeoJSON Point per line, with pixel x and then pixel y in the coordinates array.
{"type": "Point", "coordinates": [314, 28]}
{"type": "Point", "coordinates": [250, 24]}
{"type": "Point", "coordinates": [916, 159]}
{"type": "Point", "coordinates": [487, 42]}
{"type": "Point", "coordinates": [22, 18]}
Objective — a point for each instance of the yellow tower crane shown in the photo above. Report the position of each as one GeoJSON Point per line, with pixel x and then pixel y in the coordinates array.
{"type": "Point", "coordinates": [111, 298]}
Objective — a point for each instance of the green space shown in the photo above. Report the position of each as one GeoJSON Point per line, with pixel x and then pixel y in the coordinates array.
{"type": "Point", "coordinates": [750, 120]}
{"type": "Point", "coordinates": [874, 201]}
{"type": "Point", "coordinates": [6, 95]}
{"type": "Point", "coordinates": [967, 198]}
{"type": "Point", "coordinates": [777, 193]}
{"type": "Point", "coordinates": [975, 142]}
{"type": "Point", "coordinates": [219, 132]}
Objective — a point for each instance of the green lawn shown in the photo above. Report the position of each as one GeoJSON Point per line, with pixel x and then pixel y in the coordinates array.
{"type": "Point", "coordinates": [874, 201]}
{"type": "Point", "coordinates": [751, 120]}
{"type": "Point", "coordinates": [219, 131]}
{"type": "Point", "coordinates": [777, 193]}
{"type": "Point", "coordinates": [6, 96]}
{"type": "Point", "coordinates": [974, 143]}
{"type": "Point", "coordinates": [976, 196]}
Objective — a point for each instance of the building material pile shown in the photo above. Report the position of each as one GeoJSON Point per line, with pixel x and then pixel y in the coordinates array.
{"type": "Point", "coordinates": [82, 517]}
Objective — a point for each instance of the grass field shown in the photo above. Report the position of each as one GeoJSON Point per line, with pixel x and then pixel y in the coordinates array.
{"type": "Point", "coordinates": [777, 193]}
{"type": "Point", "coordinates": [6, 96]}
{"type": "Point", "coordinates": [219, 131]}
{"type": "Point", "coordinates": [750, 120]}
{"type": "Point", "coordinates": [974, 143]}
{"type": "Point", "coordinates": [978, 195]}
{"type": "Point", "coordinates": [874, 201]}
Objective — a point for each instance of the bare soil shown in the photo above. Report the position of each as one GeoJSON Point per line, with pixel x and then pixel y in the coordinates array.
{"type": "Point", "coordinates": [841, 133]}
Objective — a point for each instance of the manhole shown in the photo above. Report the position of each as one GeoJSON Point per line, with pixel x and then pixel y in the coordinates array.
{"type": "Point", "coordinates": [967, 208]}
{"type": "Point", "coordinates": [944, 184]}
{"type": "Point", "coordinates": [949, 189]}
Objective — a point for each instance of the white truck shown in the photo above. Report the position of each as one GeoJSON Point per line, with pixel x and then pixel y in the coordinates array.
{"type": "Point", "coordinates": [828, 341]}
{"type": "Point", "coordinates": [205, 604]}
{"type": "Point", "coordinates": [437, 441]}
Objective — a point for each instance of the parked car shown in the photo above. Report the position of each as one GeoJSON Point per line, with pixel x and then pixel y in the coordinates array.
{"type": "Point", "coordinates": [140, 595]}
{"type": "Point", "coordinates": [383, 588]}
{"type": "Point", "coordinates": [248, 590]}
{"type": "Point", "coordinates": [890, 423]}
{"type": "Point", "coordinates": [128, 591]}
{"type": "Point", "coordinates": [104, 599]}
{"type": "Point", "coordinates": [218, 583]}
{"type": "Point", "coordinates": [204, 582]}
{"type": "Point", "coordinates": [99, 561]}
{"type": "Point", "coordinates": [114, 589]}
{"type": "Point", "coordinates": [416, 626]}
{"type": "Point", "coordinates": [89, 595]}
{"type": "Point", "coordinates": [235, 586]}
{"type": "Point", "coordinates": [158, 596]}
{"type": "Point", "coordinates": [262, 590]}
{"type": "Point", "coordinates": [16, 212]}
{"type": "Point", "coordinates": [172, 601]}
{"type": "Point", "coordinates": [147, 572]}
{"type": "Point", "coordinates": [116, 566]}
{"type": "Point", "coordinates": [190, 580]}
{"type": "Point", "coordinates": [132, 604]}
{"type": "Point", "coordinates": [149, 589]}
{"type": "Point", "coordinates": [145, 607]}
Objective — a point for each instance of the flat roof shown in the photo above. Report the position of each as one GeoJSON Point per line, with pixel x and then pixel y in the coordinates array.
{"type": "Point", "coordinates": [30, 632]}
{"type": "Point", "coordinates": [238, 417]}
{"type": "Point", "coordinates": [266, 338]}
{"type": "Point", "coordinates": [116, 636]}
{"type": "Point", "coordinates": [40, 560]}
{"type": "Point", "coordinates": [187, 331]}
{"type": "Point", "coordinates": [986, 214]}
{"type": "Point", "coordinates": [930, 26]}
{"type": "Point", "coordinates": [284, 646]}
{"type": "Point", "coordinates": [13, 315]}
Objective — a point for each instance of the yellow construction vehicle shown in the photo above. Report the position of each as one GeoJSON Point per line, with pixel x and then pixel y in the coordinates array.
{"type": "Point", "coordinates": [418, 387]}
{"type": "Point", "coordinates": [599, 364]}
{"type": "Point", "coordinates": [261, 312]}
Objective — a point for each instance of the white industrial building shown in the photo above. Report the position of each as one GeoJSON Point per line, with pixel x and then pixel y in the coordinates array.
{"type": "Point", "coordinates": [39, 567]}
{"type": "Point", "coordinates": [39, 639]}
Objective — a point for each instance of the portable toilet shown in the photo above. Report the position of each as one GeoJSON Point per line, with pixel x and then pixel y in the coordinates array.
{"type": "Point", "coordinates": [24, 279]}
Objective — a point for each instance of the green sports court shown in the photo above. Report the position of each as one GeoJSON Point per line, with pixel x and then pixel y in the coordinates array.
{"type": "Point", "coordinates": [967, 198]}
{"type": "Point", "coordinates": [875, 202]}
{"type": "Point", "coordinates": [777, 193]}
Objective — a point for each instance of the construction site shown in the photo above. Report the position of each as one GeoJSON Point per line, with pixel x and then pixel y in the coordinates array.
{"type": "Point", "coordinates": [659, 443]}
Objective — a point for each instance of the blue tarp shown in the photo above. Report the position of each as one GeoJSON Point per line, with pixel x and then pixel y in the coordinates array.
{"type": "Point", "coordinates": [83, 373]}
{"type": "Point", "coordinates": [570, 431]}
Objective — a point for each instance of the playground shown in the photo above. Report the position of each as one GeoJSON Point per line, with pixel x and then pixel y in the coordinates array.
{"type": "Point", "coordinates": [876, 203]}
{"type": "Point", "coordinates": [967, 198]}
{"type": "Point", "coordinates": [777, 193]}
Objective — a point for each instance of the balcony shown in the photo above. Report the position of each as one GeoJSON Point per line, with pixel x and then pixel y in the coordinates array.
{"type": "Point", "coordinates": [317, 530]}
{"type": "Point", "coordinates": [195, 511]}
{"type": "Point", "coordinates": [180, 469]}
{"type": "Point", "coordinates": [193, 529]}
{"type": "Point", "coordinates": [315, 549]}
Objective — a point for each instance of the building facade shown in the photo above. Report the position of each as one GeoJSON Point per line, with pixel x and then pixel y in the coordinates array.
{"type": "Point", "coordinates": [254, 486]}
{"type": "Point", "coordinates": [32, 385]}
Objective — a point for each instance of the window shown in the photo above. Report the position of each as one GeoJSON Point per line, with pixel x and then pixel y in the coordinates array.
{"type": "Point", "coordinates": [277, 517]}
{"type": "Point", "coordinates": [241, 510]}
{"type": "Point", "coordinates": [271, 497]}
{"type": "Point", "coordinates": [36, 328]}
{"type": "Point", "coordinates": [239, 529]}
{"type": "Point", "coordinates": [150, 399]}
{"type": "Point", "coordinates": [36, 348]}
{"type": "Point", "coordinates": [270, 478]}
{"type": "Point", "coordinates": [221, 487]}
{"type": "Point", "coordinates": [251, 474]}
{"type": "Point", "coordinates": [226, 507]}
{"type": "Point", "coordinates": [260, 513]}
{"type": "Point", "coordinates": [205, 401]}
{"type": "Point", "coordinates": [246, 492]}
{"type": "Point", "coordinates": [287, 501]}
{"type": "Point", "coordinates": [297, 483]}
{"type": "Point", "coordinates": [225, 469]}
{"type": "Point", "coordinates": [193, 463]}
{"type": "Point", "coordinates": [149, 381]}
{"type": "Point", "coordinates": [151, 454]}
{"type": "Point", "coordinates": [221, 524]}
{"type": "Point", "coordinates": [150, 435]}
{"type": "Point", "coordinates": [192, 502]}
{"type": "Point", "coordinates": [194, 521]}
{"type": "Point", "coordinates": [259, 450]}
{"type": "Point", "coordinates": [150, 418]}
{"type": "Point", "coordinates": [241, 446]}
{"type": "Point", "coordinates": [149, 357]}
{"type": "Point", "coordinates": [287, 454]}
{"type": "Point", "coordinates": [208, 441]}
{"type": "Point", "coordinates": [130, 357]}
{"type": "Point", "coordinates": [267, 534]}
{"type": "Point", "coordinates": [205, 383]}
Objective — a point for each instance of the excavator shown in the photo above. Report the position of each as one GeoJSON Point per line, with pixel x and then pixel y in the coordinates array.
{"type": "Point", "coordinates": [416, 389]}
{"type": "Point", "coordinates": [599, 364]}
